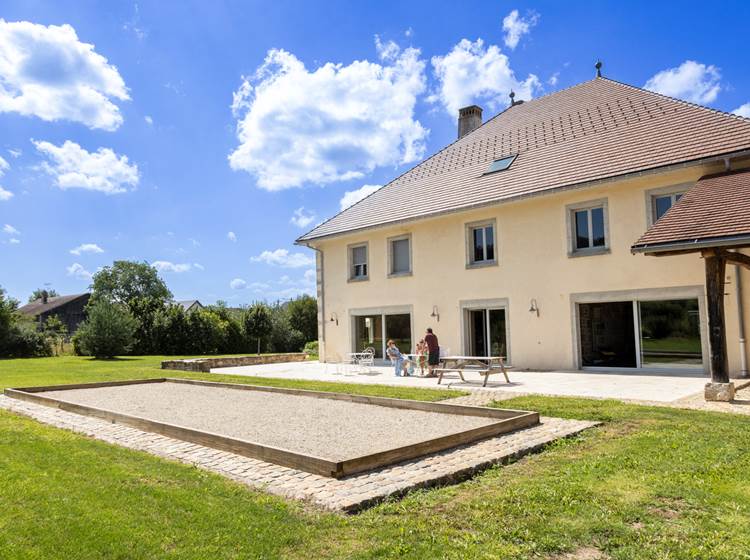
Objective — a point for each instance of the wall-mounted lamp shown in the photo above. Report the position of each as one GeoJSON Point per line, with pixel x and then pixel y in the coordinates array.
{"type": "Point", "coordinates": [435, 314]}
{"type": "Point", "coordinates": [335, 318]}
{"type": "Point", "coordinates": [534, 308]}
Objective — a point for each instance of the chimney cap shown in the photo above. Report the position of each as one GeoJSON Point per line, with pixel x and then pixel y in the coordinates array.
{"type": "Point", "coordinates": [469, 109]}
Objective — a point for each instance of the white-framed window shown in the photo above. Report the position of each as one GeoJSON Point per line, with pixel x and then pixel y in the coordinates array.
{"type": "Point", "coordinates": [481, 243]}
{"type": "Point", "coordinates": [399, 255]}
{"type": "Point", "coordinates": [659, 201]}
{"type": "Point", "coordinates": [588, 228]}
{"type": "Point", "coordinates": [358, 265]}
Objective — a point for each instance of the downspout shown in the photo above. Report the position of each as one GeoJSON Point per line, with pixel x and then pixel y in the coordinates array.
{"type": "Point", "coordinates": [740, 320]}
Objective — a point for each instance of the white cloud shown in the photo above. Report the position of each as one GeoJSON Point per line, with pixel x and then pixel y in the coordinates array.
{"type": "Point", "coordinates": [302, 218]}
{"type": "Point", "coordinates": [86, 248]}
{"type": "Point", "coordinates": [79, 271]}
{"type": "Point", "coordinates": [691, 81]}
{"type": "Point", "coordinates": [350, 198]}
{"type": "Point", "coordinates": [15, 153]}
{"type": "Point", "coordinates": [473, 73]}
{"type": "Point", "coordinates": [232, 237]}
{"type": "Point", "coordinates": [516, 27]}
{"type": "Point", "coordinates": [166, 266]}
{"type": "Point", "coordinates": [14, 241]}
{"type": "Point", "coordinates": [238, 284]}
{"type": "Point", "coordinates": [73, 167]}
{"type": "Point", "coordinates": [553, 79]}
{"type": "Point", "coordinates": [285, 259]}
{"type": "Point", "coordinates": [5, 194]}
{"type": "Point", "coordinates": [10, 230]}
{"type": "Point", "coordinates": [47, 72]}
{"type": "Point", "coordinates": [743, 110]}
{"type": "Point", "coordinates": [199, 266]}
{"type": "Point", "coordinates": [148, 120]}
{"type": "Point", "coordinates": [4, 166]}
{"type": "Point", "coordinates": [334, 123]}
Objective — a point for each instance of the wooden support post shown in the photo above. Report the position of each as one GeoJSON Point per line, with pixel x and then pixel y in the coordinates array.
{"type": "Point", "coordinates": [715, 272]}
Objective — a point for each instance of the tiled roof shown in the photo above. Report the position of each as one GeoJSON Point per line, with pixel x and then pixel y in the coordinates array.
{"type": "Point", "coordinates": [36, 307]}
{"type": "Point", "coordinates": [595, 130]}
{"type": "Point", "coordinates": [715, 210]}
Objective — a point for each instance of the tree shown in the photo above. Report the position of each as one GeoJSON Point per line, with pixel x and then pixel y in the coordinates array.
{"type": "Point", "coordinates": [126, 281]}
{"type": "Point", "coordinates": [107, 331]}
{"type": "Point", "coordinates": [55, 331]}
{"type": "Point", "coordinates": [39, 292]}
{"type": "Point", "coordinates": [19, 339]}
{"type": "Point", "coordinates": [303, 316]}
{"type": "Point", "coordinates": [136, 285]}
{"type": "Point", "coordinates": [257, 322]}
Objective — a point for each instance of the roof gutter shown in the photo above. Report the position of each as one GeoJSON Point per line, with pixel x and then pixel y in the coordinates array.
{"type": "Point", "coordinates": [692, 244]}
{"type": "Point", "coordinates": [304, 240]}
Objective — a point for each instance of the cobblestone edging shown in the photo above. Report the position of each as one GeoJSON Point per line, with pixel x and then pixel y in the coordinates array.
{"type": "Point", "coordinates": [206, 364]}
{"type": "Point", "coordinates": [350, 494]}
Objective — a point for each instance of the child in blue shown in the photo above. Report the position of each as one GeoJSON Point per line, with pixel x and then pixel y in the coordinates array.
{"type": "Point", "coordinates": [397, 359]}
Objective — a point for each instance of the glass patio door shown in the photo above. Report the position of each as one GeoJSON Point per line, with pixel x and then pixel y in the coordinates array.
{"type": "Point", "coordinates": [373, 331]}
{"type": "Point", "coordinates": [369, 333]}
{"type": "Point", "coordinates": [487, 332]}
{"type": "Point", "coordinates": [398, 328]}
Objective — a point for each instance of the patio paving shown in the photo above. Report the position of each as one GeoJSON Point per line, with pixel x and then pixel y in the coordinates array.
{"type": "Point", "coordinates": [657, 388]}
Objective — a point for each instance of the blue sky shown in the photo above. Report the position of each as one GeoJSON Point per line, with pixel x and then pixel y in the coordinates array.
{"type": "Point", "coordinates": [204, 137]}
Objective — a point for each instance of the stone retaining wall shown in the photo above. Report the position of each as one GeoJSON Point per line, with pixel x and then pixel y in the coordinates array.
{"type": "Point", "coordinates": [206, 364]}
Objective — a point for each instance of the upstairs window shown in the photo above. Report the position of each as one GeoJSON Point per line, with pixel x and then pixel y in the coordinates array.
{"type": "Point", "coordinates": [589, 230]}
{"type": "Point", "coordinates": [358, 269]}
{"type": "Point", "coordinates": [663, 202]}
{"type": "Point", "coordinates": [481, 244]}
{"type": "Point", "coordinates": [399, 255]}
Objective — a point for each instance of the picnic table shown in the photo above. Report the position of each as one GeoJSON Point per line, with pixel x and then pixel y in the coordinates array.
{"type": "Point", "coordinates": [484, 365]}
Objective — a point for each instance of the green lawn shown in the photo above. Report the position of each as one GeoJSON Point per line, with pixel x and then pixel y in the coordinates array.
{"type": "Point", "coordinates": [78, 369]}
{"type": "Point", "coordinates": [651, 483]}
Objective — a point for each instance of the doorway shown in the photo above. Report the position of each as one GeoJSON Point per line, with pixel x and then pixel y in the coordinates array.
{"type": "Point", "coordinates": [641, 334]}
{"type": "Point", "coordinates": [374, 331]}
{"type": "Point", "coordinates": [486, 332]}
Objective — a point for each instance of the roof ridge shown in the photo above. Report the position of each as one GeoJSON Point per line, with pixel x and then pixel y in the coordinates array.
{"type": "Point", "coordinates": [302, 237]}
{"type": "Point", "coordinates": [678, 100]}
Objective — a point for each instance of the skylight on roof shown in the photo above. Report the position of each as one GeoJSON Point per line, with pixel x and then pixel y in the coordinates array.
{"type": "Point", "coordinates": [500, 164]}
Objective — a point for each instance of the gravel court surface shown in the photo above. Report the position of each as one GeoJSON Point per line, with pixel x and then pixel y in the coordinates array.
{"type": "Point", "coordinates": [325, 428]}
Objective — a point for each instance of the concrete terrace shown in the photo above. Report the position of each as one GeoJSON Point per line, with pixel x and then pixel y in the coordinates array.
{"type": "Point", "coordinates": [640, 386]}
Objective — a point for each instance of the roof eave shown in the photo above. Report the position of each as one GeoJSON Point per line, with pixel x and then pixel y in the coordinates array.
{"type": "Point", "coordinates": [692, 244]}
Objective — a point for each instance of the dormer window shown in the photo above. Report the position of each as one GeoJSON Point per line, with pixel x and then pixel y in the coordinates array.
{"type": "Point", "coordinates": [500, 164]}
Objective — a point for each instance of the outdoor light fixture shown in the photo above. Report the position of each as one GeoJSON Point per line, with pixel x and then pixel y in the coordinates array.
{"type": "Point", "coordinates": [435, 315]}
{"type": "Point", "coordinates": [335, 318]}
{"type": "Point", "coordinates": [534, 308]}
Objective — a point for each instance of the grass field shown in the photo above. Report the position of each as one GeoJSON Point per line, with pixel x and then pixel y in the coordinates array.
{"type": "Point", "coordinates": [650, 483]}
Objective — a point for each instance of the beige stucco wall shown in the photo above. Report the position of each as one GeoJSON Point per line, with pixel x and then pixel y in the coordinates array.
{"type": "Point", "coordinates": [532, 237]}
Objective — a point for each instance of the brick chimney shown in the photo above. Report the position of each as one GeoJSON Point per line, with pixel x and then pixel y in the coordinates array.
{"type": "Point", "coordinates": [469, 118]}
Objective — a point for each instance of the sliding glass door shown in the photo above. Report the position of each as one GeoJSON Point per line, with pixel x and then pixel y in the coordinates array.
{"type": "Point", "coordinates": [663, 334]}
{"type": "Point", "coordinates": [670, 334]}
{"type": "Point", "coordinates": [368, 333]}
{"type": "Point", "coordinates": [486, 332]}
{"type": "Point", "coordinates": [373, 331]}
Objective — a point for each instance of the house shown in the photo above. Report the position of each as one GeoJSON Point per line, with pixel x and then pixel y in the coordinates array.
{"type": "Point", "coordinates": [189, 305]}
{"type": "Point", "coordinates": [71, 310]}
{"type": "Point", "coordinates": [516, 239]}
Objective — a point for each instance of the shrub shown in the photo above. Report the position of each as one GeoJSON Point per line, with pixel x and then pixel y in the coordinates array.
{"type": "Point", "coordinates": [26, 342]}
{"type": "Point", "coordinates": [311, 348]}
{"type": "Point", "coordinates": [107, 332]}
